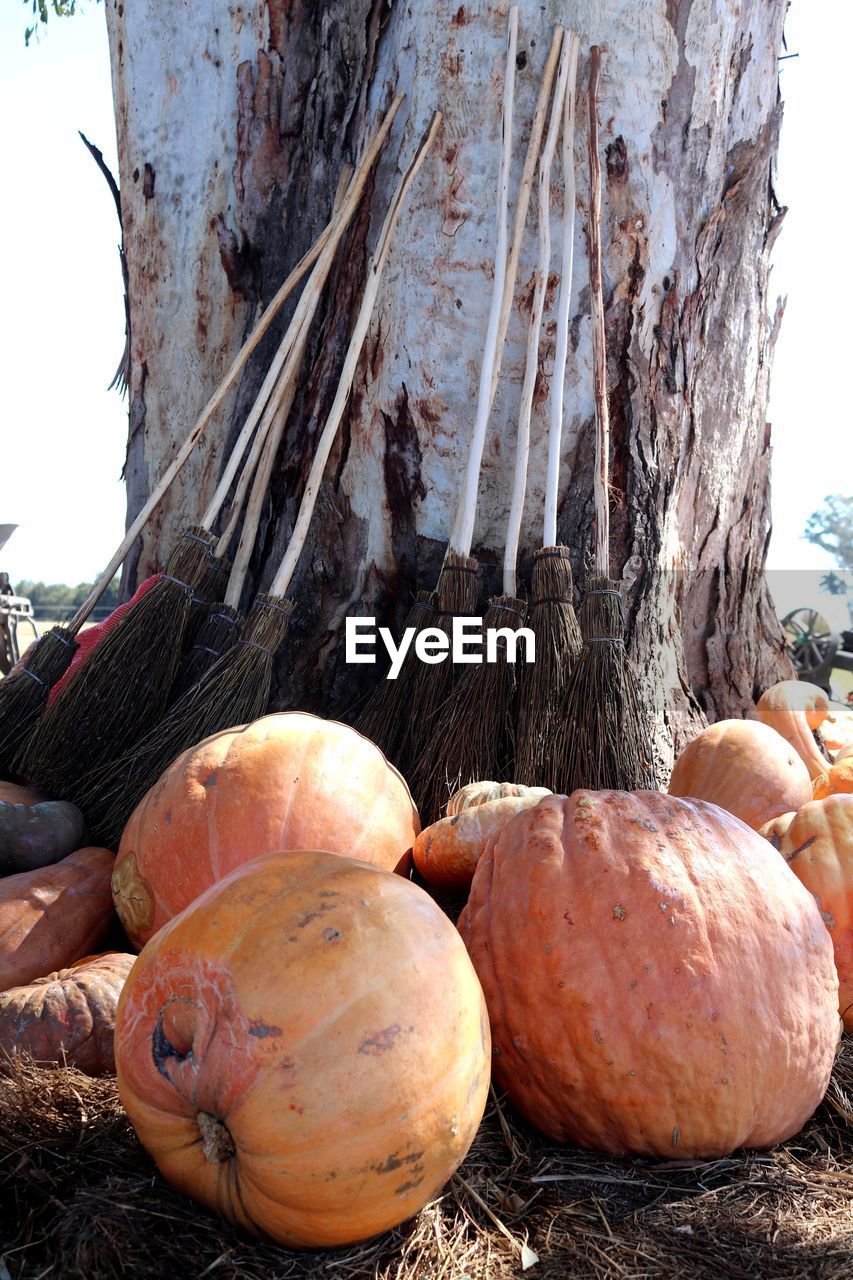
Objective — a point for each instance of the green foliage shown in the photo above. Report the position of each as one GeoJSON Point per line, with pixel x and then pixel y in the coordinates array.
{"type": "Point", "coordinates": [42, 10]}
{"type": "Point", "coordinates": [831, 527]}
{"type": "Point", "coordinates": [58, 594]}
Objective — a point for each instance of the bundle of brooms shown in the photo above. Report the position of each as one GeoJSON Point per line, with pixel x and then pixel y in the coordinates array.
{"type": "Point", "coordinates": [124, 686]}
{"type": "Point", "coordinates": [236, 688]}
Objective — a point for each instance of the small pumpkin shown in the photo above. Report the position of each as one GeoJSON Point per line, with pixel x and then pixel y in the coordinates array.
{"type": "Point", "coordinates": [743, 766]}
{"type": "Point", "coordinates": [288, 781]}
{"type": "Point", "coordinates": [68, 1016]}
{"type": "Point", "coordinates": [305, 1049]}
{"type": "Point", "coordinates": [51, 916]}
{"type": "Point", "coordinates": [446, 853]}
{"type": "Point", "coordinates": [795, 708]}
{"type": "Point", "coordinates": [658, 983]}
{"type": "Point", "coordinates": [13, 793]}
{"type": "Point", "coordinates": [837, 781]}
{"type": "Point", "coordinates": [475, 793]}
{"type": "Point", "coordinates": [817, 844]}
{"type": "Point", "coordinates": [34, 835]}
{"type": "Point", "coordinates": [838, 729]}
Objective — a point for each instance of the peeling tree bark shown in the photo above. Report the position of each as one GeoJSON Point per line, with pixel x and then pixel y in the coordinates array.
{"type": "Point", "coordinates": [233, 125]}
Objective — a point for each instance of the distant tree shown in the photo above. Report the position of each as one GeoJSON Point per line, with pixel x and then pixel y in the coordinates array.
{"type": "Point", "coordinates": [58, 595]}
{"type": "Point", "coordinates": [831, 527]}
{"type": "Point", "coordinates": [42, 10]}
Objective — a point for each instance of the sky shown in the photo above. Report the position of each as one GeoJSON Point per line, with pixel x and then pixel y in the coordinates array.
{"type": "Point", "coordinates": [62, 323]}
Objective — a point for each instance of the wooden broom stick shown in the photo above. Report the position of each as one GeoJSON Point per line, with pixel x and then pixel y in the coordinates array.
{"type": "Point", "coordinates": [601, 502]}
{"type": "Point", "coordinates": [524, 192]}
{"type": "Point", "coordinates": [463, 527]}
{"type": "Point", "coordinates": [552, 482]}
{"type": "Point", "coordinates": [219, 395]}
{"type": "Point", "coordinates": [531, 365]}
{"type": "Point", "coordinates": [371, 289]}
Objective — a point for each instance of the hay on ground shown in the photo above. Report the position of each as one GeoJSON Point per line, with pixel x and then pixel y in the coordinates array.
{"type": "Point", "coordinates": [80, 1200]}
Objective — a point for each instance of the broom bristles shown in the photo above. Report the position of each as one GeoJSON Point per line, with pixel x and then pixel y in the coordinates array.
{"type": "Point", "coordinates": [24, 694]}
{"type": "Point", "coordinates": [558, 645]}
{"type": "Point", "coordinates": [235, 691]}
{"type": "Point", "coordinates": [210, 589]}
{"type": "Point", "coordinates": [384, 719]}
{"type": "Point", "coordinates": [121, 690]}
{"type": "Point", "coordinates": [474, 732]}
{"type": "Point", "coordinates": [218, 632]}
{"type": "Point", "coordinates": [601, 740]}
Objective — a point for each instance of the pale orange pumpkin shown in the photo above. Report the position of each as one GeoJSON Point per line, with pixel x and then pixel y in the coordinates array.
{"type": "Point", "coordinates": [305, 1049]}
{"type": "Point", "coordinates": [838, 730]}
{"type": "Point", "coordinates": [288, 781]}
{"type": "Point", "coordinates": [658, 982]}
{"type": "Point", "coordinates": [838, 779]}
{"type": "Point", "coordinates": [817, 844]}
{"type": "Point", "coordinates": [475, 793]}
{"type": "Point", "coordinates": [51, 916]}
{"type": "Point", "coordinates": [744, 766]}
{"type": "Point", "coordinates": [446, 853]}
{"type": "Point", "coordinates": [795, 708]}
{"type": "Point", "coordinates": [69, 1016]}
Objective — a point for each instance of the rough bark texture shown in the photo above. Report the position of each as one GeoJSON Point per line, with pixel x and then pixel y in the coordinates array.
{"type": "Point", "coordinates": [231, 140]}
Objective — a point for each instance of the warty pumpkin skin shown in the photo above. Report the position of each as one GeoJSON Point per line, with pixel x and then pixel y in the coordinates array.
{"type": "Point", "coordinates": [476, 793]}
{"type": "Point", "coordinates": [446, 853]}
{"type": "Point", "coordinates": [745, 767]}
{"type": "Point", "coordinates": [287, 781]}
{"type": "Point", "coordinates": [68, 1016]}
{"type": "Point", "coordinates": [658, 983]}
{"type": "Point", "coordinates": [794, 708]}
{"type": "Point", "coordinates": [817, 844]}
{"type": "Point", "coordinates": [305, 1049]}
{"type": "Point", "coordinates": [51, 916]}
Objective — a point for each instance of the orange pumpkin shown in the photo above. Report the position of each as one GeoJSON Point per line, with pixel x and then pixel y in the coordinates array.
{"type": "Point", "coordinates": [838, 729]}
{"type": "Point", "coordinates": [288, 781]}
{"type": "Point", "coordinates": [69, 1016]}
{"type": "Point", "coordinates": [744, 766]}
{"type": "Point", "coordinates": [838, 779]}
{"type": "Point", "coordinates": [658, 982]}
{"type": "Point", "coordinates": [305, 1049]}
{"type": "Point", "coordinates": [794, 708]}
{"type": "Point", "coordinates": [50, 916]}
{"type": "Point", "coordinates": [446, 854]}
{"type": "Point", "coordinates": [475, 793]}
{"type": "Point", "coordinates": [817, 844]}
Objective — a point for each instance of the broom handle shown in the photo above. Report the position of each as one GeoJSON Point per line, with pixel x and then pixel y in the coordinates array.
{"type": "Point", "coordinates": [217, 398]}
{"type": "Point", "coordinates": [599, 350]}
{"type": "Point", "coordinates": [338, 225]}
{"type": "Point", "coordinates": [558, 378]}
{"type": "Point", "coordinates": [525, 189]}
{"type": "Point", "coordinates": [531, 364]}
{"type": "Point", "coordinates": [463, 526]}
{"type": "Point", "coordinates": [280, 401]}
{"type": "Point", "coordinates": [282, 579]}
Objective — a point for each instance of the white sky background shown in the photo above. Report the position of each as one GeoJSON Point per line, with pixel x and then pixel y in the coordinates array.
{"type": "Point", "coordinates": [62, 320]}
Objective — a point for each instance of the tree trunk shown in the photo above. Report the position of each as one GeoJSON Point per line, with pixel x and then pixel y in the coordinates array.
{"type": "Point", "coordinates": [231, 141]}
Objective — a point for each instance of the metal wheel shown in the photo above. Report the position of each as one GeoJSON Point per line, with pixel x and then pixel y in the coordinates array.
{"type": "Point", "coordinates": [810, 641]}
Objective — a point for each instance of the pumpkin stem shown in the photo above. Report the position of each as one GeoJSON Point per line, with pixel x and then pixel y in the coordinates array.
{"type": "Point", "coordinates": [216, 1141]}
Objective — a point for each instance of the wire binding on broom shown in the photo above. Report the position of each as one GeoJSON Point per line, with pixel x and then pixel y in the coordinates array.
{"type": "Point", "coordinates": [217, 633]}
{"type": "Point", "coordinates": [122, 688]}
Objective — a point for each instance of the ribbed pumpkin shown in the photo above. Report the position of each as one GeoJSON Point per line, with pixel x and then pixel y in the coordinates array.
{"type": "Point", "coordinates": [817, 844]}
{"type": "Point", "coordinates": [745, 767]}
{"type": "Point", "coordinates": [475, 793]}
{"type": "Point", "coordinates": [305, 1049]}
{"type": "Point", "coordinates": [658, 982]}
{"type": "Point", "coordinates": [51, 916]}
{"type": "Point", "coordinates": [446, 853]}
{"type": "Point", "coordinates": [795, 708]}
{"type": "Point", "coordinates": [288, 781]}
{"type": "Point", "coordinates": [69, 1016]}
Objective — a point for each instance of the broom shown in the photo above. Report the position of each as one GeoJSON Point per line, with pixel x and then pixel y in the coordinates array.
{"type": "Point", "coordinates": [236, 689]}
{"type": "Point", "coordinates": [23, 697]}
{"type": "Point", "coordinates": [552, 615]}
{"type": "Point", "coordinates": [474, 731]}
{"type": "Point", "coordinates": [397, 711]}
{"type": "Point", "coordinates": [122, 689]}
{"type": "Point", "coordinates": [600, 738]}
